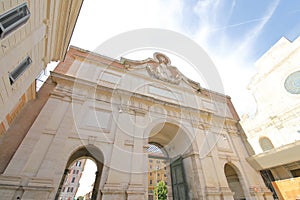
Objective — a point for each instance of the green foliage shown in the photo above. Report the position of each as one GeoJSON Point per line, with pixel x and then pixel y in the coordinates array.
{"type": "Point", "coordinates": [80, 198]}
{"type": "Point", "coordinates": [160, 191]}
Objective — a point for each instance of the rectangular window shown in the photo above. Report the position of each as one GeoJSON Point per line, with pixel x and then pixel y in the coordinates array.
{"type": "Point", "coordinates": [295, 173]}
{"type": "Point", "coordinates": [71, 189]}
{"type": "Point", "coordinates": [13, 19]}
{"type": "Point", "coordinates": [73, 180]}
{"type": "Point", "coordinates": [78, 163]}
{"type": "Point", "coordinates": [150, 182]}
{"type": "Point", "coordinates": [19, 70]}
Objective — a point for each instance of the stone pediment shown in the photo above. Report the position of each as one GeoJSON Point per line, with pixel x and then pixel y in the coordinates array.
{"type": "Point", "coordinates": [160, 67]}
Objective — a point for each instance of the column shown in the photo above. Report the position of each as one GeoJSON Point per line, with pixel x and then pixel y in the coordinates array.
{"type": "Point", "coordinates": [137, 189]}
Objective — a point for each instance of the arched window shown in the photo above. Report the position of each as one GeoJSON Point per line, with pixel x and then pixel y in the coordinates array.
{"type": "Point", "coordinates": [265, 144]}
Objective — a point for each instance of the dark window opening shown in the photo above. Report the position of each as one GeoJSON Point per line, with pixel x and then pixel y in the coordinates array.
{"type": "Point", "coordinates": [295, 173]}
{"type": "Point", "coordinates": [268, 179]}
{"type": "Point", "coordinates": [13, 19]}
{"type": "Point", "coordinates": [19, 70]}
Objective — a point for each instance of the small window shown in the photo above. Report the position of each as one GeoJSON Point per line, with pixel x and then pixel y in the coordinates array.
{"type": "Point", "coordinates": [150, 173]}
{"type": "Point", "coordinates": [78, 163]}
{"type": "Point", "coordinates": [13, 19]}
{"type": "Point", "coordinates": [265, 144]}
{"type": "Point", "coordinates": [71, 189]}
{"type": "Point", "coordinates": [19, 70]}
{"type": "Point", "coordinates": [73, 180]}
{"type": "Point", "coordinates": [150, 182]}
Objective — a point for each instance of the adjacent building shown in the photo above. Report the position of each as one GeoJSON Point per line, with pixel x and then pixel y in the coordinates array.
{"type": "Point", "coordinates": [32, 34]}
{"type": "Point", "coordinates": [274, 130]}
{"type": "Point", "coordinates": [158, 169]}
{"type": "Point", "coordinates": [71, 182]}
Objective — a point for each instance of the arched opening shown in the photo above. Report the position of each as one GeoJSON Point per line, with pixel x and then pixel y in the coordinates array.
{"type": "Point", "coordinates": [158, 168]}
{"type": "Point", "coordinates": [69, 186]}
{"type": "Point", "coordinates": [167, 143]}
{"type": "Point", "coordinates": [234, 182]}
{"type": "Point", "coordinates": [79, 181]}
{"type": "Point", "coordinates": [265, 144]}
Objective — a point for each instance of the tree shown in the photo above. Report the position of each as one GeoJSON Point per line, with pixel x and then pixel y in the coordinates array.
{"type": "Point", "coordinates": [160, 191]}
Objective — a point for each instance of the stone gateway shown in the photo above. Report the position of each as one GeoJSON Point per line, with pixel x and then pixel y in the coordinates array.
{"type": "Point", "coordinates": [111, 111]}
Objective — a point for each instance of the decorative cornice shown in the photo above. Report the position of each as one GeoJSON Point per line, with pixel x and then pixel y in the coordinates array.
{"type": "Point", "coordinates": [202, 119]}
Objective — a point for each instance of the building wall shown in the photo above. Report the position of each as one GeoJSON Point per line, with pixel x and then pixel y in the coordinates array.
{"type": "Point", "coordinates": [274, 130]}
{"type": "Point", "coordinates": [277, 113]}
{"type": "Point", "coordinates": [118, 108]}
{"type": "Point", "coordinates": [44, 37]}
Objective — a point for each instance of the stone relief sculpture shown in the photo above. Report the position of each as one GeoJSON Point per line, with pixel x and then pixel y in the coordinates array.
{"type": "Point", "coordinates": [163, 70]}
{"type": "Point", "coordinates": [159, 67]}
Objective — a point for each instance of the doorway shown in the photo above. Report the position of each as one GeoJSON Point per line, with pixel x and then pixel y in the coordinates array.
{"type": "Point", "coordinates": [167, 143]}
{"type": "Point", "coordinates": [234, 182]}
{"type": "Point", "coordinates": [72, 174]}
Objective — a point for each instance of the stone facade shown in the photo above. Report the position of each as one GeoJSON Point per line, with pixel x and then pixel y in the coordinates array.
{"type": "Point", "coordinates": [110, 111]}
{"type": "Point", "coordinates": [273, 131]}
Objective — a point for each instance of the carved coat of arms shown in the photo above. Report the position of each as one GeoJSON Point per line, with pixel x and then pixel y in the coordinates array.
{"type": "Point", "coordinates": [162, 69]}
{"type": "Point", "coordinates": [158, 67]}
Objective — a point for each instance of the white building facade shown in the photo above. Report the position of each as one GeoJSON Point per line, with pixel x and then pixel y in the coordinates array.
{"type": "Point", "coordinates": [274, 130]}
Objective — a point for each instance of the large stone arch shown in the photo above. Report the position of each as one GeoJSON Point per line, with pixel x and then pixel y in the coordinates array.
{"type": "Point", "coordinates": [177, 141]}
{"type": "Point", "coordinates": [89, 151]}
{"type": "Point", "coordinates": [183, 128]}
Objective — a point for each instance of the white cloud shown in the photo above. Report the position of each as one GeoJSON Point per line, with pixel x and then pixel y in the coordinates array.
{"type": "Point", "coordinates": [99, 21]}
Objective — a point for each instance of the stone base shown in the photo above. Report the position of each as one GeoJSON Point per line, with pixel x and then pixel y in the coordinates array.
{"type": "Point", "coordinates": [222, 193]}
{"type": "Point", "coordinates": [136, 192]}
{"type": "Point", "coordinates": [261, 193]}
{"type": "Point", "coordinates": [25, 188]}
{"type": "Point", "coordinates": [113, 191]}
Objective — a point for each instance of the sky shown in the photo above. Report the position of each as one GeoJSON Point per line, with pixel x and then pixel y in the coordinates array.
{"type": "Point", "coordinates": [87, 178]}
{"type": "Point", "coordinates": [234, 33]}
